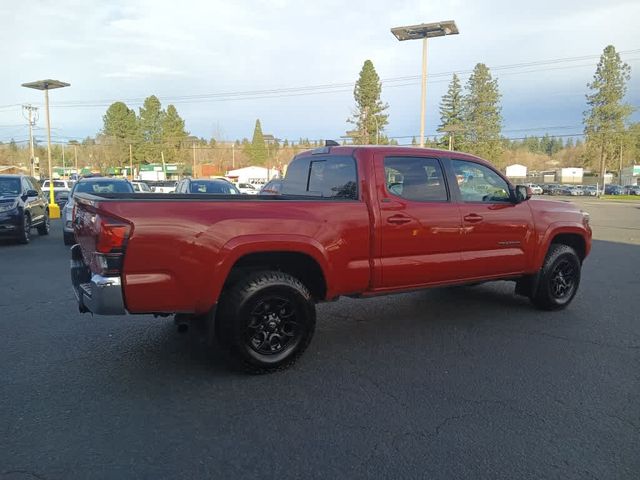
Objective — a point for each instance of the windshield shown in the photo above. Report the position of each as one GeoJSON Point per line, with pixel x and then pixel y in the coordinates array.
{"type": "Point", "coordinates": [9, 187]}
{"type": "Point", "coordinates": [103, 186]}
{"type": "Point", "coordinates": [221, 187]}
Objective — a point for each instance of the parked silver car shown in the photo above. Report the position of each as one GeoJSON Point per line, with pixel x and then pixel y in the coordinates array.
{"type": "Point", "coordinates": [89, 185]}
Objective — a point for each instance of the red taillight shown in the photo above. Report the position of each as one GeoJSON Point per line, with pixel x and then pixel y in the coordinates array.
{"type": "Point", "coordinates": [112, 237]}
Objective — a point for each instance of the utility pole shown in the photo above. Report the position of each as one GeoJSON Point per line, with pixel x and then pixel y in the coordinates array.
{"type": "Point", "coordinates": [32, 114]}
{"type": "Point", "coordinates": [423, 101]}
{"type": "Point", "coordinates": [75, 155]}
{"type": "Point", "coordinates": [233, 156]}
{"type": "Point", "coordinates": [131, 161]}
{"type": "Point", "coordinates": [64, 169]}
{"type": "Point", "coordinates": [620, 169]}
{"type": "Point", "coordinates": [193, 173]}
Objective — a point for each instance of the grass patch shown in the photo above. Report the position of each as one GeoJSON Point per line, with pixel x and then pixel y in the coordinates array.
{"type": "Point", "coordinates": [621, 197]}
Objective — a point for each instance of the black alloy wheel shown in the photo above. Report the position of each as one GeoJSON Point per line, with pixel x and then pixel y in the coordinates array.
{"type": "Point", "coordinates": [265, 321]}
{"type": "Point", "coordinates": [558, 279]}
{"type": "Point", "coordinates": [563, 279]}
{"type": "Point", "coordinates": [273, 326]}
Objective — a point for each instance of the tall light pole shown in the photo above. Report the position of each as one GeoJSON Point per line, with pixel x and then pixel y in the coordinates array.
{"type": "Point", "coordinates": [46, 85]}
{"type": "Point", "coordinates": [424, 31]}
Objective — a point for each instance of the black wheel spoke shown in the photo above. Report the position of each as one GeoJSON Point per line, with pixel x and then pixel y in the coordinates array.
{"type": "Point", "coordinates": [563, 279]}
{"type": "Point", "coordinates": [272, 325]}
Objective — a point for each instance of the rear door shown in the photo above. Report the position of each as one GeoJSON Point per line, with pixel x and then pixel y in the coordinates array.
{"type": "Point", "coordinates": [497, 233]}
{"type": "Point", "coordinates": [420, 225]}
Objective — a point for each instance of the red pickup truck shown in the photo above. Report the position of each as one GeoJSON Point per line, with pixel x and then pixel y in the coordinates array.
{"type": "Point", "coordinates": [354, 221]}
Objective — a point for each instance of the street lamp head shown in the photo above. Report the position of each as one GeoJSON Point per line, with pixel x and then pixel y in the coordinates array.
{"type": "Point", "coordinates": [425, 30]}
{"type": "Point", "coordinates": [46, 84]}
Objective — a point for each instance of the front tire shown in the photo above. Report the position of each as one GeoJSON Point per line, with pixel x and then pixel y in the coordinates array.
{"type": "Point", "coordinates": [25, 234]}
{"type": "Point", "coordinates": [46, 225]}
{"type": "Point", "coordinates": [559, 278]}
{"type": "Point", "coordinates": [266, 321]}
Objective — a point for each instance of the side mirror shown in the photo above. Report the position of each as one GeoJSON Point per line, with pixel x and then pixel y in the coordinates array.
{"type": "Point", "coordinates": [32, 193]}
{"type": "Point", "coordinates": [523, 193]}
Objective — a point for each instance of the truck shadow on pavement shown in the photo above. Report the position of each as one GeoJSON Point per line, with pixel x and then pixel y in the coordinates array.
{"type": "Point", "coordinates": [351, 325]}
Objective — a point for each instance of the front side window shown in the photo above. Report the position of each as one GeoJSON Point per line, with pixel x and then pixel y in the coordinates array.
{"type": "Point", "coordinates": [26, 185]}
{"type": "Point", "coordinates": [325, 177]}
{"type": "Point", "coordinates": [479, 183]}
{"type": "Point", "coordinates": [415, 178]}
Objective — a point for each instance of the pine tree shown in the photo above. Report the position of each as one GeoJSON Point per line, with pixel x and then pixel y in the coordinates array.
{"type": "Point", "coordinates": [451, 114]}
{"type": "Point", "coordinates": [258, 150]}
{"type": "Point", "coordinates": [369, 116]}
{"type": "Point", "coordinates": [569, 143]}
{"type": "Point", "coordinates": [150, 121]}
{"type": "Point", "coordinates": [482, 118]}
{"type": "Point", "coordinates": [605, 117]}
{"type": "Point", "coordinates": [173, 133]}
{"type": "Point", "coordinates": [119, 130]}
{"type": "Point", "coordinates": [414, 142]}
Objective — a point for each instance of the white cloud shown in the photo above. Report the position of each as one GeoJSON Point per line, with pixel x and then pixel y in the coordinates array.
{"type": "Point", "coordinates": [131, 49]}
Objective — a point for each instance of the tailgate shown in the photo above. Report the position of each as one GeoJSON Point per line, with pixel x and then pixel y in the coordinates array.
{"type": "Point", "coordinates": [96, 260]}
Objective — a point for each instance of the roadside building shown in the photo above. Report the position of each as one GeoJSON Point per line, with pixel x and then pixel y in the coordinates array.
{"type": "Point", "coordinates": [570, 175]}
{"type": "Point", "coordinates": [13, 170]}
{"type": "Point", "coordinates": [631, 175]}
{"type": "Point", "coordinates": [516, 172]}
{"type": "Point", "coordinates": [154, 172]}
{"type": "Point", "coordinates": [256, 176]}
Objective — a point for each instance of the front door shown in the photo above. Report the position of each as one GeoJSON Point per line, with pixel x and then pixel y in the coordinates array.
{"type": "Point", "coordinates": [420, 225]}
{"type": "Point", "coordinates": [35, 205]}
{"type": "Point", "coordinates": [497, 233]}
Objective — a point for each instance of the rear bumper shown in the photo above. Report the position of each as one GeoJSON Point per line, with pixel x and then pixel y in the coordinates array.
{"type": "Point", "coordinates": [95, 293]}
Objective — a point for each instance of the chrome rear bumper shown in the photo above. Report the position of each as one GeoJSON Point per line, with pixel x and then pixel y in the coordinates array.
{"type": "Point", "coordinates": [95, 293]}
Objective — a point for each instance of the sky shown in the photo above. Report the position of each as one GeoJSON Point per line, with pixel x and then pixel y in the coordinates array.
{"type": "Point", "coordinates": [205, 56]}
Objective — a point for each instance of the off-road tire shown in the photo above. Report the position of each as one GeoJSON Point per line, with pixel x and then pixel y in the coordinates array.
{"type": "Point", "coordinates": [239, 327]}
{"type": "Point", "coordinates": [551, 292]}
{"type": "Point", "coordinates": [43, 229]}
{"type": "Point", "coordinates": [25, 233]}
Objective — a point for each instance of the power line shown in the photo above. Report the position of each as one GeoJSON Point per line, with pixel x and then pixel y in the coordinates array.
{"type": "Point", "coordinates": [341, 87]}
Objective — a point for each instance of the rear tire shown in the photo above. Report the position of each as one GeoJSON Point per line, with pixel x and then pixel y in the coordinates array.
{"type": "Point", "coordinates": [559, 278]}
{"type": "Point", "coordinates": [266, 321]}
{"type": "Point", "coordinates": [44, 228]}
{"type": "Point", "coordinates": [69, 238]}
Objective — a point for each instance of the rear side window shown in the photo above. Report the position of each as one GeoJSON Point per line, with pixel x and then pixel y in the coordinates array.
{"type": "Point", "coordinates": [221, 188]}
{"type": "Point", "coordinates": [324, 177]}
{"type": "Point", "coordinates": [415, 178]}
{"type": "Point", "coordinates": [104, 187]}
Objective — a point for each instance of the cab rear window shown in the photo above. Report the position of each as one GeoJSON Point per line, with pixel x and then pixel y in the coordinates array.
{"type": "Point", "coordinates": [331, 177]}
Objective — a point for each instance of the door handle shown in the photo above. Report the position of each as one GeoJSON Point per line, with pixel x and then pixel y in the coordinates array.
{"type": "Point", "coordinates": [398, 219]}
{"type": "Point", "coordinates": [473, 218]}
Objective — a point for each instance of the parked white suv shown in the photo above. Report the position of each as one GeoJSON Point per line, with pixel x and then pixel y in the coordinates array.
{"type": "Point", "coordinates": [248, 189]}
{"type": "Point", "coordinates": [535, 189]}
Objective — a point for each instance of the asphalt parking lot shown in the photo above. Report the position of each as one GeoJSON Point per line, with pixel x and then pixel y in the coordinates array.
{"type": "Point", "coordinates": [467, 382]}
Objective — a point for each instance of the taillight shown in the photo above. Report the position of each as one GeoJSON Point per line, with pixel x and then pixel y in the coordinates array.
{"type": "Point", "coordinates": [112, 238]}
{"type": "Point", "coordinates": [111, 241]}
